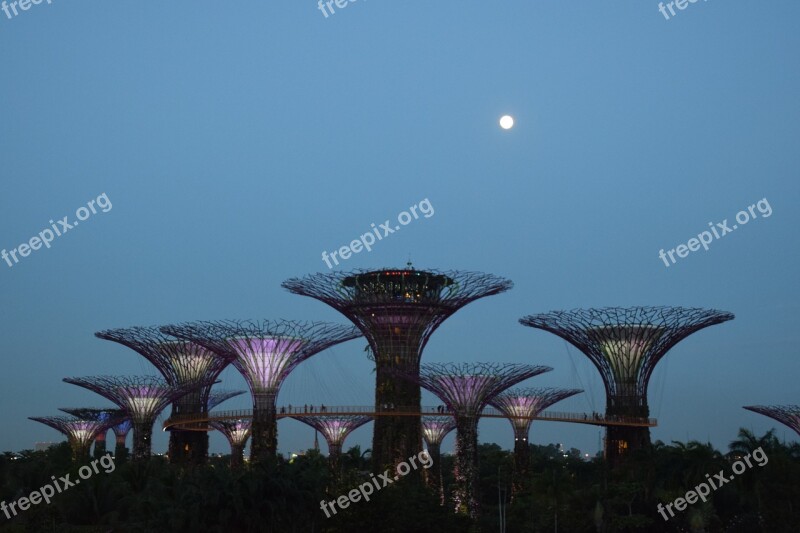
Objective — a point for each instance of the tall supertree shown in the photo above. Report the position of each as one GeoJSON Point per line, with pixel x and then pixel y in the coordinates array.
{"type": "Point", "coordinates": [397, 310]}
{"type": "Point", "coordinates": [121, 431]}
{"type": "Point", "coordinates": [335, 430]}
{"type": "Point", "coordinates": [785, 414]}
{"type": "Point", "coordinates": [143, 398]}
{"type": "Point", "coordinates": [237, 431]}
{"type": "Point", "coordinates": [265, 352]}
{"type": "Point", "coordinates": [181, 363]}
{"type": "Point", "coordinates": [465, 389]}
{"type": "Point", "coordinates": [625, 344]}
{"type": "Point", "coordinates": [108, 416]}
{"type": "Point", "coordinates": [434, 430]}
{"type": "Point", "coordinates": [520, 406]}
{"type": "Point", "coordinates": [217, 396]}
{"type": "Point", "coordinates": [80, 433]}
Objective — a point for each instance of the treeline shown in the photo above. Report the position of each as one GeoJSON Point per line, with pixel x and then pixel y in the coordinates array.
{"type": "Point", "coordinates": [565, 493]}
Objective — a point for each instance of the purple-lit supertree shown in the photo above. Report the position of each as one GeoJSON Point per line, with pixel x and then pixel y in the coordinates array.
{"type": "Point", "coordinates": [181, 363]}
{"type": "Point", "coordinates": [108, 416]}
{"type": "Point", "coordinates": [265, 352]}
{"type": "Point", "coordinates": [218, 396]}
{"type": "Point", "coordinates": [121, 431]}
{"type": "Point", "coordinates": [785, 414]}
{"type": "Point", "coordinates": [80, 433]}
{"type": "Point", "coordinates": [335, 430]}
{"type": "Point", "coordinates": [625, 344]}
{"type": "Point", "coordinates": [397, 310]}
{"type": "Point", "coordinates": [465, 389]}
{"type": "Point", "coordinates": [434, 430]}
{"type": "Point", "coordinates": [520, 406]}
{"type": "Point", "coordinates": [142, 397]}
{"type": "Point", "coordinates": [237, 431]}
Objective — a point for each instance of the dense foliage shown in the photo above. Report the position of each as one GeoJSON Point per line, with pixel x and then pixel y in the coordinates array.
{"type": "Point", "coordinates": [565, 493]}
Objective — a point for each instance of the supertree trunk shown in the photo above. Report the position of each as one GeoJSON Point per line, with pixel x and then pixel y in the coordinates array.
{"type": "Point", "coordinates": [395, 438]}
{"type": "Point", "coordinates": [622, 439]}
{"type": "Point", "coordinates": [80, 450]}
{"type": "Point", "coordinates": [100, 445]}
{"type": "Point", "coordinates": [264, 437]}
{"type": "Point", "coordinates": [466, 467]}
{"type": "Point", "coordinates": [334, 459]}
{"type": "Point", "coordinates": [237, 455]}
{"type": "Point", "coordinates": [434, 475]}
{"type": "Point", "coordinates": [120, 451]}
{"type": "Point", "coordinates": [142, 440]}
{"type": "Point", "coordinates": [522, 461]}
{"type": "Point", "coordinates": [185, 446]}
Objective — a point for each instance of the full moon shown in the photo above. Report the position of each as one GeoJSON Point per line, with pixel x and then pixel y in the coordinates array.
{"type": "Point", "coordinates": [506, 122]}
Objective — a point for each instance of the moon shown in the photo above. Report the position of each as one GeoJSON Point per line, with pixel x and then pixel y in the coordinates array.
{"type": "Point", "coordinates": [506, 122]}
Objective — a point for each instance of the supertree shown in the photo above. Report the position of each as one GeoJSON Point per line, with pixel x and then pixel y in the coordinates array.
{"type": "Point", "coordinates": [181, 363]}
{"type": "Point", "coordinates": [80, 433]}
{"type": "Point", "coordinates": [625, 344]}
{"type": "Point", "coordinates": [142, 397]}
{"type": "Point", "coordinates": [434, 430]}
{"type": "Point", "coordinates": [785, 414]}
{"type": "Point", "coordinates": [335, 430]}
{"type": "Point", "coordinates": [109, 416]}
{"type": "Point", "coordinates": [121, 431]}
{"type": "Point", "coordinates": [520, 406]}
{"type": "Point", "coordinates": [218, 396]}
{"type": "Point", "coordinates": [237, 431]}
{"type": "Point", "coordinates": [397, 310]}
{"type": "Point", "coordinates": [465, 389]}
{"type": "Point", "coordinates": [265, 352]}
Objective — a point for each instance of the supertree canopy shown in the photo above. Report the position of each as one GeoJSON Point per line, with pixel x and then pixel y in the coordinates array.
{"type": "Point", "coordinates": [142, 397]}
{"type": "Point", "coordinates": [218, 396]}
{"type": "Point", "coordinates": [109, 416]}
{"type": "Point", "coordinates": [397, 310]}
{"type": "Point", "coordinates": [265, 352]}
{"type": "Point", "coordinates": [80, 433]}
{"type": "Point", "coordinates": [121, 431]}
{"type": "Point", "coordinates": [465, 389]}
{"type": "Point", "coordinates": [237, 431]}
{"type": "Point", "coordinates": [335, 430]}
{"type": "Point", "coordinates": [434, 430]}
{"type": "Point", "coordinates": [520, 406]}
{"type": "Point", "coordinates": [625, 344]}
{"type": "Point", "coordinates": [785, 414]}
{"type": "Point", "coordinates": [181, 363]}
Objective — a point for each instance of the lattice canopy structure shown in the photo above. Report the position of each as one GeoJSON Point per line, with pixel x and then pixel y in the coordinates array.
{"type": "Point", "coordinates": [181, 363]}
{"type": "Point", "coordinates": [785, 414]}
{"type": "Point", "coordinates": [520, 406]}
{"type": "Point", "coordinates": [80, 433]}
{"type": "Point", "coordinates": [142, 397]}
{"type": "Point", "coordinates": [465, 389]}
{"type": "Point", "coordinates": [335, 430]}
{"type": "Point", "coordinates": [625, 344]}
{"type": "Point", "coordinates": [218, 396]}
{"type": "Point", "coordinates": [237, 431]}
{"type": "Point", "coordinates": [434, 430]}
{"type": "Point", "coordinates": [265, 352]}
{"type": "Point", "coordinates": [109, 416]}
{"type": "Point", "coordinates": [397, 310]}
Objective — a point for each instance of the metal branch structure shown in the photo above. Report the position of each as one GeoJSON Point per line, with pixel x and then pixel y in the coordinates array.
{"type": "Point", "coordinates": [142, 397]}
{"type": "Point", "coordinates": [465, 389]}
{"type": "Point", "coordinates": [216, 397]}
{"type": "Point", "coordinates": [397, 310]}
{"type": "Point", "coordinates": [785, 414]}
{"type": "Point", "coordinates": [625, 344]}
{"type": "Point", "coordinates": [265, 352]}
{"type": "Point", "coordinates": [335, 430]}
{"type": "Point", "coordinates": [237, 431]}
{"type": "Point", "coordinates": [80, 433]}
{"type": "Point", "coordinates": [520, 406]}
{"type": "Point", "coordinates": [181, 363]}
{"type": "Point", "coordinates": [108, 416]}
{"type": "Point", "coordinates": [434, 430]}
{"type": "Point", "coordinates": [121, 431]}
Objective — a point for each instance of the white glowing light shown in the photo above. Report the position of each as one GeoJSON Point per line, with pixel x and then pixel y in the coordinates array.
{"type": "Point", "coordinates": [506, 122]}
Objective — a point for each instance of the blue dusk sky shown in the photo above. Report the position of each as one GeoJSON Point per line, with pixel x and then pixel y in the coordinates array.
{"type": "Point", "coordinates": [235, 142]}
